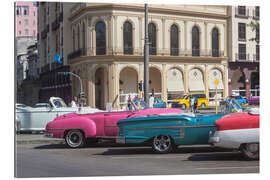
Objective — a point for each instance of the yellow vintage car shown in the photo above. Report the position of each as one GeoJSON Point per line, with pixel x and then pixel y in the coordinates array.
{"type": "Point", "coordinates": [184, 101]}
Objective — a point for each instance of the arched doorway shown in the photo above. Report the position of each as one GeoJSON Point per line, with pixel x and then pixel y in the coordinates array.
{"type": "Point", "coordinates": [101, 88]}
{"type": "Point", "coordinates": [175, 83]}
{"type": "Point", "coordinates": [238, 83]}
{"type": "Point", "coordinates": [213, 75]}
{"type": "Point", "coordinates": [155, 81]}
{"type": "Point", "coordinates": [196, 81]}
{"type": "Point", "coordinates": [128, 80]}
{"type": "Point", "coordinates": [255, 83]}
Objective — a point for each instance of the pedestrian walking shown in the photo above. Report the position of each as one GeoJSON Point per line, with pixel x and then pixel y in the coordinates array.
{"type": "Point", "coordinates": [74, 102]}
{"type": "Point", "coordinates": [192, 103]}
{"type": "Point", "coordinates": [151, 101]}
{"type": "Point", "coordinates": [129, 103]}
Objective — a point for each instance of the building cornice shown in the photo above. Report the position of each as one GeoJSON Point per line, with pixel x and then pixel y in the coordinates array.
{"type": "Point", "coordinates": [140, 9]}
{"type": "Point", "coordinates": [168, 59]}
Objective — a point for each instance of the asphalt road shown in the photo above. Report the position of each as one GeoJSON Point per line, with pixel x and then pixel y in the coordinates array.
{"type": "Point", "coordinates": [57, 160]}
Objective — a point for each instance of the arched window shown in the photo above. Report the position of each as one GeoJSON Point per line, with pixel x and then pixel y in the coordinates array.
{"type": "Point", "coordinates": [215, 43]}
{"type": "Point", "coordinates": [152, 39]}
{"type": "Point", "coordinates": [78, 47]}
{"type": "Point", "coordinates": [100, 38]}
{"type": "Point", "coordinates": [174, 41]}
{"type": "Point", "coordinates": [195, 41]}
{"type": "Point", "coordinates": [128, 49]}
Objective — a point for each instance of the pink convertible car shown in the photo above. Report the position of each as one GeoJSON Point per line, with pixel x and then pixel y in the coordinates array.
{"type": "Point", "coordinates": [79, 128]}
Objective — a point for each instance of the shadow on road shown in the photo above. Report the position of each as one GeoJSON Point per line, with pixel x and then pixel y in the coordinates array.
{"type": "Point", "coordinates": [88, 145]}
{"type": "Point", "coordinates": [220, 156]}
{"type": "Point", "coordinates": [148, 150]}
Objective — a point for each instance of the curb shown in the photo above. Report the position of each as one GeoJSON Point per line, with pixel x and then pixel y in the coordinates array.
{"type": "Point", "coordinates": [54, 141]}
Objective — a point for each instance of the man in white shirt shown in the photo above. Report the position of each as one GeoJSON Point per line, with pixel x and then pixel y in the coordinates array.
{"type": "Point", "coordinates": [151, 101]}
{"type": "Point", "coordinates": [74, 102]}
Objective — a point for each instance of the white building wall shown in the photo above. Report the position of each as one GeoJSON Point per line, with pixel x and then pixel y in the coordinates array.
{"type": "Point", "coordinates": [250, 45]}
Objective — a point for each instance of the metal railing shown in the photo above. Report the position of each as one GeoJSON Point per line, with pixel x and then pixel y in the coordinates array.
{"type": "Point", "coordinates": [241, 13]}
{"type": "Point", "coordinates": [241, 56]}
{"type": "Point", "coordinates": [175, 52]}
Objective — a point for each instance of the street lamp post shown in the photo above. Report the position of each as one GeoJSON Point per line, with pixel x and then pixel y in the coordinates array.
{"type": "Point", "coordinates": [146, 59]}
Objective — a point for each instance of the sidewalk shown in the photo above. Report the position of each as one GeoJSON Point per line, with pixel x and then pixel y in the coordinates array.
{"type": "Point", "coordinates": [36, 139]}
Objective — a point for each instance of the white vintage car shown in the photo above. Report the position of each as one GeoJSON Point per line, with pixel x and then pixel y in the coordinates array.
{"type": "Point", "coordinates": [36, 119]}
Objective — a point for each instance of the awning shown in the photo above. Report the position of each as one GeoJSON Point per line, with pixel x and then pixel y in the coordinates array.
{"type": "Point", "coordinates": [196, 85]}
{"type": "Point", "coordinates": [212, 84]}
{"type": "Point", "coordinates": [215, 75]}
{"type": "Point", "coordinates": [175, 80]}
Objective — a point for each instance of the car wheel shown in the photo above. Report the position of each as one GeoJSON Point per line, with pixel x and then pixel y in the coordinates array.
{"type": "Point", "coordinates": [75, 139]}
{"type": "Point", "coordinates": [251, 151]}
{"type": "Point", "coordinates": [162, 144]}
{"type": "Point", "coordinates": [184, 106]}
{"type": "Point", "coordinates": [203, 105]}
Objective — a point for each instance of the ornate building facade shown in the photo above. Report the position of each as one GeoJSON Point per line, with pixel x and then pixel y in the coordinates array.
{"type": "Point", "coordinates": [188, 50]}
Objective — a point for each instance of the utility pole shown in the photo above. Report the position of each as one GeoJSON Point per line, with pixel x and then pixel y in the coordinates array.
{"type": "Point", "coordinates": [146, 59]}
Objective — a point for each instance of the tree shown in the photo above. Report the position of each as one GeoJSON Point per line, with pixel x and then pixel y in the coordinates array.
{"type": "Point", "coordinates": [255, 26]}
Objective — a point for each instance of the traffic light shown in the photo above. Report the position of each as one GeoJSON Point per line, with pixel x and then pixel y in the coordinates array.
{"type": "Point", "coordinates": [65, 73]}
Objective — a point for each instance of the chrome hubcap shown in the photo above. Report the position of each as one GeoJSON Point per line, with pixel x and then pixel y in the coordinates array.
{"type": "Point", "coordinates": [253, 148]}
{"type": "Point", "coordinates": [162, 143]}
{"type": "Point", "coordinates": [74, 139]}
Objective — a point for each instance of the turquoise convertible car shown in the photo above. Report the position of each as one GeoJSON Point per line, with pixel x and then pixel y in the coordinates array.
{"type": "Point", "coordinates": [166, 131]}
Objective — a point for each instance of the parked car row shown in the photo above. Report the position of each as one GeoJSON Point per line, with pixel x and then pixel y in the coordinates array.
{"type": "Point", "coordinates": [162, 128]}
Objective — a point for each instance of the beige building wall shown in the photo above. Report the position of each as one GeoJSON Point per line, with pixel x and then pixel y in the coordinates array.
{"type": "Point", "coordinates": [163, 16]}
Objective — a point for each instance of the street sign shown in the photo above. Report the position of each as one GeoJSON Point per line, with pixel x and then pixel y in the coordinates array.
{"type": "Point", "coordinates": [216, 82]}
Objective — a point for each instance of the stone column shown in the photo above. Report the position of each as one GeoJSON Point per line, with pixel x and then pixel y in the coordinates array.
{"type": "Point", "coordinates": [91, 87]}
{"type": "Point", "coordinates": [117, 89]}
{"type": "Point", "coordinates": [247, 81]}
{"type": "Point", "coordinates": [226, 82]}
{"type": "Point", "coordinates": [140, 36]}
{"type": "Point", "coordinates": [205, 37]}
{"type": "Point", "coordinates": [225, 39]}
{"type": "Point", "coordinates": [186, 78]}
{"type": "Point", "coordinates": [115, 49]}
{"type": "Point", "coordinates": [206, 80]}
{"type": "Point", "coordinates": [164, 83]}
{"type": "Point", "coordinates": [163, 36]}
{"type": "Point", "coordinates": [185, 36]}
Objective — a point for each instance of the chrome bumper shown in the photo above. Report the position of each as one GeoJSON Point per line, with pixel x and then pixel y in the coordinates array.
{"type": "Point", "coordinates": [48, 135]}
{"type": "Point", "coordinates": [120, 139]}
{"type": "Point", "coordinates": [213, 139]}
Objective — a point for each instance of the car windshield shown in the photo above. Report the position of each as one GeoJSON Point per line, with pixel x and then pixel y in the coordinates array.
{"type": "Point", "coordinates": [21, 105]}
{"type": "Point", "coordinates": [139, 103]}
{"type": "Point", "coordinates": [59, 103]}
{"type": "Point", "coordinates": [230, 106]}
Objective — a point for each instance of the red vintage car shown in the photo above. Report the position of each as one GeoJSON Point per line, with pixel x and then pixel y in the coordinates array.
{"type": "Point", "coordinates": [239, 131]}
{"type": "Point", "coordinates": [76, 128]}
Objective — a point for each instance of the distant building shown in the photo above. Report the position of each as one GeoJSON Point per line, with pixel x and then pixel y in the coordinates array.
{"type": "Point", "coordinates": [54, 37]}
{"type": "Point", "coordinates": [25, 36]}
{"type": "Point", "coordinates": [244, 53]}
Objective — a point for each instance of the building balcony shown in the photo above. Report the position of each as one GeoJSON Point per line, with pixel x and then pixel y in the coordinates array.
{"type": "Point", "coordinates": [60, 18]}
{"type": "Point", "coordinates": [242, 57]}
{"type": "Point", "coordinates": [55, 24]}
{"type": "Point", "coordinates": [140, 52]}
{"type": "Point", "coordinates": [241, 14]}
{"type": "Point", "coordinates": [256, 14]}
{"type": "Point", "coordinates": [256, 57]}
